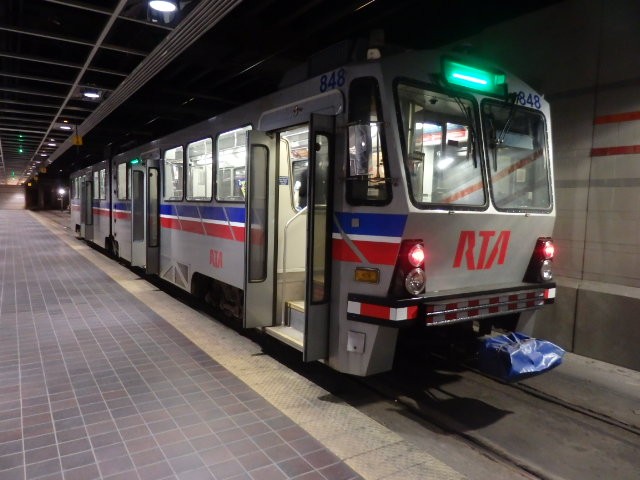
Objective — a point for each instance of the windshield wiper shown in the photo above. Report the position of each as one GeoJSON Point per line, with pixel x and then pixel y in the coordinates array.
{"type": "Point", "coordinates": [507, 124]}
{"type": "Point", "coordinates": [472, 132]}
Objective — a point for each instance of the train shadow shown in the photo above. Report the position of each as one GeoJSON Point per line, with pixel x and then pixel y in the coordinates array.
{"type": "Point", "coordinates": [422, 385]}
{"type": "Point", "coordinates": [417, 387]}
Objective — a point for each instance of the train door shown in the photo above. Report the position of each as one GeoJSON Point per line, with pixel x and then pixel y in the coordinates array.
{"type": "Point", "coordinates": [303, 248]}
{"type": "Point", "coordinates": [319, 220]}
{"type": "Point", "coordinates": [260, 231]}
{"type": "Point", "coordinates": [86, 208]}
{"type": "Point", "coordinates": [145, 216]}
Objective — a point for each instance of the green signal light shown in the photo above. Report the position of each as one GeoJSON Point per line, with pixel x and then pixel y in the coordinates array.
{"type": "Point", "coordinates": [474, 78]}
{"type": "Point", "coordinates": [20, 150]}
{"type": "Point", "coordinates": [135, 161]}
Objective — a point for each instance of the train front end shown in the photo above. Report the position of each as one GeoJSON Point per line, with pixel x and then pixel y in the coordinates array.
{"type": "Point", "coordinates": [468, 151]}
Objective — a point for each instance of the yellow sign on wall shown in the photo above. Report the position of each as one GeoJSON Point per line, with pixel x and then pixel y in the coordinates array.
{"type": "Point", "coordinates": [77, 140]}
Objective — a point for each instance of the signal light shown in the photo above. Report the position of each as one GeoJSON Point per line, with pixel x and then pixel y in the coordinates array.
{"type": "Point", "coordinates": [468, 76]}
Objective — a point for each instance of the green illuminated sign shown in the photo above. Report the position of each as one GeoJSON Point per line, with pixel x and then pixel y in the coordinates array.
{"type": "Point", "coordinates": [135, 161]}
{"type": "Point", "coordinates": [474, 78]}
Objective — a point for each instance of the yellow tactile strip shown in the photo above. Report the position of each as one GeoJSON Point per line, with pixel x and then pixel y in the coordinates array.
{"type": "Point", "coordinates": [369, 448]}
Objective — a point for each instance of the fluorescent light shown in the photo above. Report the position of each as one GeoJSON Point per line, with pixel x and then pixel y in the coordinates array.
{"type": "Point", "coordinates": [65, 127]}
{"type": "Point", "coordinates": [93, 94]}
{"type": "Point", "coordinates": [163, 5]}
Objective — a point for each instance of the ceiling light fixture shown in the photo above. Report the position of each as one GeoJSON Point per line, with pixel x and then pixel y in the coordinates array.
{"type": "Point", "coordinates": [164, 5]}
{"type": "Point", "coordinates": [92, 94]}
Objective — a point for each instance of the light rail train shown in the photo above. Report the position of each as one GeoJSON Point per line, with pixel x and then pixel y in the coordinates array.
{"type": "Point", "coordinates": [408, 190]}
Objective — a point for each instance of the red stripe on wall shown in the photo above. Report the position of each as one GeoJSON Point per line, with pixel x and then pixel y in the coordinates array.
{"type": "Point", "coordinates": [617, 118]}
{"type": "Point", "coordinates": [624, 150]}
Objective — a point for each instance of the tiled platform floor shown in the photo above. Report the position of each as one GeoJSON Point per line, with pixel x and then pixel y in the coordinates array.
{"type": "Point", "coordinates": [94, 384]}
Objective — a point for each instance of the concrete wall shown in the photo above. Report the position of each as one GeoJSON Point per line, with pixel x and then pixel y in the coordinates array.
{"type": "Point", "coordinates": [12, 197]}
{"type": "Point", "coordinates": [584, 55]}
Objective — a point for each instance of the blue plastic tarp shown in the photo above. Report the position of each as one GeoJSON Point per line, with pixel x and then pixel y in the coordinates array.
{"type": "Point", "coordinates": [516, 356]}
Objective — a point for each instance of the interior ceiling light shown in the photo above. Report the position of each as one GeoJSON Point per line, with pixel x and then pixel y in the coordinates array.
{"type": "Point", "coordinates": [65, 127]}
{"type": "Point", "coordinates": [164, 5]}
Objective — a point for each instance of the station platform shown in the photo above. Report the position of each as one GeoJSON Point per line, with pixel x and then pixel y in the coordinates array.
{"type": "Point", "coordinates": [104, 376]}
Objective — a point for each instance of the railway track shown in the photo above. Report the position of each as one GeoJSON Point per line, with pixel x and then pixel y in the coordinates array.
{"type": "Point", "coordinates": [528, 431]}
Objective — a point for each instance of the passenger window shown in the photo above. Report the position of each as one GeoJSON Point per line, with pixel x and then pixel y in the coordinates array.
{"type": "Point", "coordinates": [199, 170]}
{"type": "Point", "coordinates": [173, 173]}
{"type": "Point", "coordinates": [103, 184]}
{"type": "Point", "coordinates": [231, 156]}
{"type": "Point", "coordinates": [96, 185]}
{"type": "Point", "coordinates": [297, 146]}
{"type": "Point", "coordinates": [123, 181]}
{"type": "Point", "coordinates": [368, 171]}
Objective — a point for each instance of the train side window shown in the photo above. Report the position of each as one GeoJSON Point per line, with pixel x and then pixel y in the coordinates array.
{"type": "Point", "coordinates": [173, 173]}
{"type": "Point", "coordinates": [295, 145]}
{"type": "Point", "coordinates": [199, 170]}
{"type": "Point", "coordinates": [123, 181]}
{"type": "Point", "coordinates": [103, 184]}
{"type": "Point", "coordinates": [231, 158]}
{"type": "Point", "coordinates": [367, 170]}
{"type": "Point", "coordinates": [96, 185]}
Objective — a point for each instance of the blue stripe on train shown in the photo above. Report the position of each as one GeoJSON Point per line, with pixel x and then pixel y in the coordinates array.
{"type": "Point", "coordinates": [377, 224]}
{"type": "Point", "coordinates": [233, 214]}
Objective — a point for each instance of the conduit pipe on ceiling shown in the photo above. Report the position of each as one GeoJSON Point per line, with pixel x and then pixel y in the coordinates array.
{"type": "Point", "coordinates": [204, 16]}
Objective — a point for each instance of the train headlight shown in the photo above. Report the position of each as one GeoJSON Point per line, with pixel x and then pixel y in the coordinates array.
{"type": "Point", "coordinates": [546, 270]}
{"type": "Point", "coordinates": [415, 280]}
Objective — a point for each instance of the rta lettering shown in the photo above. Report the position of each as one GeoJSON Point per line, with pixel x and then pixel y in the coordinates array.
{"type": "Point", "coordinates": [215, 258]}
{"type": "Point", "coordinates": [480, 260]}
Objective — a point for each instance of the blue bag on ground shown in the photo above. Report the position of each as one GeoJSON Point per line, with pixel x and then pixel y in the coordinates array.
{"type": "Point", "coordinates": [516, 356]}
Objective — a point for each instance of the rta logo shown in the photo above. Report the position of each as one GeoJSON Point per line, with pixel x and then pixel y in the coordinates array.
{"type": "Point", "coordinates": [479, 260]}
{"type": "Point", "coordinates": [215, 258]}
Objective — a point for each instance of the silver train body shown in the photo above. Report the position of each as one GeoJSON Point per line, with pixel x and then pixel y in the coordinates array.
{"type": "Point", "coordinates": [413, 190]}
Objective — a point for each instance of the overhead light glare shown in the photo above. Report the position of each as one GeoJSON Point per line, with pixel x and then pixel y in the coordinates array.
{"type": "Point", "coordinates": [65, 127]}
{"type": "Point", "coordinates": [165, 6]}
{"type": "Point", "coordinates": [51, 144]}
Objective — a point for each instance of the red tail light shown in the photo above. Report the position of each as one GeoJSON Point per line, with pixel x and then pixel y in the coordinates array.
{"type": "Point", "coordinates": [409, 277]}
{"type": "Point", "coordinates": [416, 255]}
{"type": "Point", "coordinates": [540, 265]}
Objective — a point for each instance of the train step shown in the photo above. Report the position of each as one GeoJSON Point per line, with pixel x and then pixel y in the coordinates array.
{"type": "Point", "coordinates": [293, 333]}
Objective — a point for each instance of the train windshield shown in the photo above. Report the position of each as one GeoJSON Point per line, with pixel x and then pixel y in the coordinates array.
{"type": "Point", "coordinates": [517, 156]}
{"type": "Point", "coordinates": [439, 136]}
